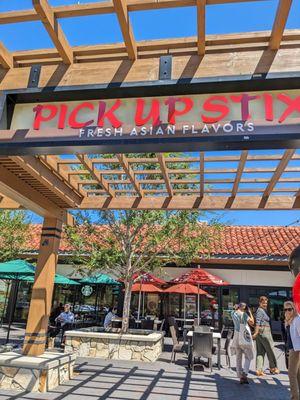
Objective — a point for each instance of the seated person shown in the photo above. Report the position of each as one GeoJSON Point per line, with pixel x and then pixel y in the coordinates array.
{"type": "Point", "coordinates": [109, 317]}
{"type": "Point", "coordinates": [66, 319]}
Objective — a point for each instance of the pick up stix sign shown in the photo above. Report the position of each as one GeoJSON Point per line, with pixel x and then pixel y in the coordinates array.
{"type": "Point", "coordinates": [233, 113]}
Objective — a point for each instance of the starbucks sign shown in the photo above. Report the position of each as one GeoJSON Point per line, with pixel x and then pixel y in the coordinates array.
{"type": "Point", "coordinates": [87, 290]}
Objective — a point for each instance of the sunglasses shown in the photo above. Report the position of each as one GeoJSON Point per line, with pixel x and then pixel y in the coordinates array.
{"type": "Point", "coordinates": [288, 309]}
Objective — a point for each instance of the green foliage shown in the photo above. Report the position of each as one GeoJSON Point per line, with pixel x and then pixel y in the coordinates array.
{"type": "Point", "coordinates": [14, 233]}
{"type": "Point", "coordinates": [126, 242]}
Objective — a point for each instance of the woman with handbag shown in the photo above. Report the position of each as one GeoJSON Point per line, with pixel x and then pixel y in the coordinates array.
{"type": "Point", "coordinates": [292, 327]}
{"type": "Point", "coordinates": [242, 343]}
{"type": "Point", "coordinates": [264, 339]}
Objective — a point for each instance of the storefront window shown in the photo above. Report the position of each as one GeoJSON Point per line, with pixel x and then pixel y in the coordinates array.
{"type": "Point", "coordinates": [4, 295]}
{"type": "Point", "coordinates": [23, 301]}
{"type": "Point", "coordinates": [230, 297]}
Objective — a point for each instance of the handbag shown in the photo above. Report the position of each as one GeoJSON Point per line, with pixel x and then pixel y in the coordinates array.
{"type": "Point", "coordinates": [245, 337]}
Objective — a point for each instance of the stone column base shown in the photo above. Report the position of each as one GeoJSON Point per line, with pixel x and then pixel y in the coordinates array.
{"type": "Point", "coordinates": [35, 374]}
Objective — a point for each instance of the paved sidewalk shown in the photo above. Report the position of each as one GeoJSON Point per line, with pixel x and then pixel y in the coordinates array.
{"type": "Point", "coordinates": [125, 380]}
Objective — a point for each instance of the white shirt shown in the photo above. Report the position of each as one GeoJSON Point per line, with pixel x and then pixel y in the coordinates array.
{"type": "Point", "coordinates": [295, 333]}
{"type": "Point", "coordinates": [107, 321]}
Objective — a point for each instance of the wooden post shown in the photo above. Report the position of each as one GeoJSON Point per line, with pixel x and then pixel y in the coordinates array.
{"type": "Point", "coordinates": [42, 291]}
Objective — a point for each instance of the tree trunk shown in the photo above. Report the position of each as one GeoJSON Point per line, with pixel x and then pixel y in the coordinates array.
{"type": "Point", "coordinates": [126, 306]}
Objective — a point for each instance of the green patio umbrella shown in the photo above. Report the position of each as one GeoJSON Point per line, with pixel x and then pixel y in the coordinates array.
{"type": "Point", "coordinates": [15, 269]}
{"type": "Point", "coordinates": [99, 279]}
{"type": "Point", "coordinates": [59, 280]}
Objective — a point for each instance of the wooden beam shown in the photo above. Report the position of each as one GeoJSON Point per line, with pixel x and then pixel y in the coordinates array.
{"type": "Point", "coordinates": [129, 172]}
{"type": "Point", "coordinates": [201, 26]}
{"type": "Point", "coordinates": [54, 30]}
{"type": "Point", "coordinates": [207, 202]}
{"type": "Point", "coordinates": [123, 17]}
{"type": "Point", "coordinates": [202, 169]}
{"type": "Point", "coordinates": [42, 290]}
{"type": "Point", "coordinates": [280, 169]}
{"type": "Point", "coordinates": [281, 17]}
{"type": "Point", "coordinates": [26, 195]}
{"type": "Point", "coordinates": [40, 172]}
{"type": "Point", "coordinates": [239, 172]}
{"type": "Point", "coordinates": [164, 171]}
{"type": "Point", "coordinates": [8, 204]}
{"type": "Point", "coordinates": [6, 59]}
{"type": "Point", "coordinates": [95, 174]}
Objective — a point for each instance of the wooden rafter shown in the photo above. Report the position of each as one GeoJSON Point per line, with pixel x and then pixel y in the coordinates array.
{"type": "Point", "coordinates": [202, 168]}
{"type": "Point", "coordinates": [54, 30]}
{"type": "Point", "coordinates": [239, 172]}
{"type": "Point", "coordinates": [282, 14]}
{"type": "Point", "coordinates": [130, 173]}
{"type": "Point", "coordinates": [201, 26]}
{"type": "Point", "coordinates": [6, 59]}
{"type": "Point", "coordinates": [189, 202]}
{"type": "Point", "coordinates": [164, 170]}
{"type": "Point", "coordinates": [123, 17]}
{"type": "Point", "coordinates": [41, 173]}
{"type": "Point", "coordinates": [95, 174]}
{"type": "Point", "coordinates": [281, 167]}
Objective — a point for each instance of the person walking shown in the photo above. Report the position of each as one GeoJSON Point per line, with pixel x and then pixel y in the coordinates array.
{"type": "Point", "coordinates": [264, 339]}
{"type": "Point", "coordinates": [242, 343]}
{"type": "Point", "coordinates": [292, 326]}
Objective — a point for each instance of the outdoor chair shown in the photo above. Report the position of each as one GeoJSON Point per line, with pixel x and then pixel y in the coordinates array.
{"type": "Point", "coordinates": [177, 347]}
{"type": "Point", "coordinates": [132, 324]}
{"type": "Point", "coordinates": [202, 347]}
{"type": "Point", "coordinates": [196, 323]}
{"type": "Point", "coordinates": [172, 322]}
{"type": "Point", "coordinates": [162, 325]}
{"type": "Point", "coordinates": [147, 324]}
{"type": "Point", "coordinates": [225, 350]}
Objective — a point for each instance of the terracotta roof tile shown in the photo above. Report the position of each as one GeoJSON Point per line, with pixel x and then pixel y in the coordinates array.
{"type": "Point", "coordinates": [235, 240]}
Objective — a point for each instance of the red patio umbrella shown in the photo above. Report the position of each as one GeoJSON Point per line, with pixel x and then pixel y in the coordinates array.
{"type": "Point", "coordinates": [142, 278]}
{"type": "Point", "coordinates": [186, 288]}
{"type": "Point", "coordinates": [146, 288]}
{"type": "Point", "coordinates": [200, 276]}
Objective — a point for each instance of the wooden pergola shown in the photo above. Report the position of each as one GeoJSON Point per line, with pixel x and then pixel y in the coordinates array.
{"type": "Point", "coordinates": [52, 184]}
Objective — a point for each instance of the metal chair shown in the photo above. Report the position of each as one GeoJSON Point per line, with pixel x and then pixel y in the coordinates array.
{"type": "Point", "coordinates": [177, 347]}
{"type": "Point", "coordinates": [147, 324]}
{"type": "Point", "coordinates": [202, 347]}
{"type": "Point", "coordinates": [172, 322]}
{"type": "Point", "coordinates": [196, 322]}
{"type": "Point", "coordinates": [225, 350]}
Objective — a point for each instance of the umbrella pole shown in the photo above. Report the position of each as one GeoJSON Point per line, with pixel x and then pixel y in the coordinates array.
{"type": "Point", "coordinates": [198, 311]}
{"type": "Point", "coordinates": [5, 302]}
{"type": "Point", "coordinates": [184, 308]}
{"type": "Point", "coordinates": [12, 310]}
{"type": "Point", "coordinates": [143, 305]}
{"type": "Point", "coordinates": [139, 306]}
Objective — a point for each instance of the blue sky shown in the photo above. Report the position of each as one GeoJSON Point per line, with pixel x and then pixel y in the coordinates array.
{"type": "Point", "coordinates": [226, 18]}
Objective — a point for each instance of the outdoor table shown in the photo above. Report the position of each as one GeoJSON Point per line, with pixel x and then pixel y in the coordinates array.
{"type": "Point", "coordinates": [191, 320]}
{"type": "Point", "coordinates": [216, 335]}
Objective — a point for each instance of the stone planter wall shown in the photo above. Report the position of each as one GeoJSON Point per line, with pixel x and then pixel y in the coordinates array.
{"type": "Point", "coordinates": [115, 346]}
{"type": "Point", "coordinates": [35, 374]}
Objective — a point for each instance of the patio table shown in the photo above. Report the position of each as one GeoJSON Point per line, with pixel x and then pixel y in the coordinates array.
{"type": "Point", "coordinates": [216, 335]}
